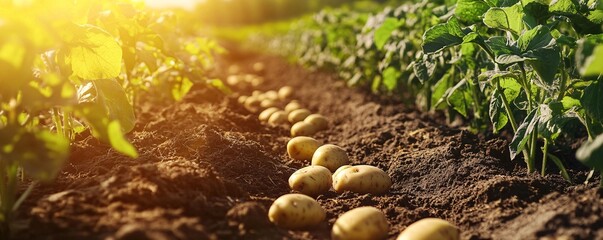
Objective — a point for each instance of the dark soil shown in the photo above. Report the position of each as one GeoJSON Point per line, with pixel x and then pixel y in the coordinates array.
{"type": "Point", "coordinates": [208, 169]}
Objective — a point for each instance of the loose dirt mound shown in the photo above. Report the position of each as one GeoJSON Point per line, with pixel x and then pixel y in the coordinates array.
{"type": "Point", "coordinates": [210, 169]}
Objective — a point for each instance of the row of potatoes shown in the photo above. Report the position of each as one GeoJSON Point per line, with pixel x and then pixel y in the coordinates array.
{"type": "Point", "coordinates": [330, 169]}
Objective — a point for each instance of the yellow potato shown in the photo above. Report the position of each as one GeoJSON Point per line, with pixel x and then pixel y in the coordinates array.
{"type": "Point", "coordinates": [252, 104]}
{"type": "Point", "coordinates": [258, 67]}
{"type": "Point", "coordinates": [360, 224]}
{"type": "Point", "coordinates": [277, 118]}
{"type": "Point", "coordinates": [232, 80]}
{"type": "Point", "coordinates": [302, 148]}
{"type": "Point", "coordinates": [285, 93]}
{"type": "Point", "coordinates": [242, 99]}
{"type": "Point", "coordinates": [430, 229]}
{"type": "Point", "coordinates": [302, 129]}
{"type": "Point", "coordinates": [330, 156]}
{"type": "Point", "coordinates": [293, 105]}
{"type": "Point", "coordinates": [317, 120]}
{"type": "Point", "coordinates": [296, 211]}
{"type": "Point", "coordinates": [311, 180]}
{"type": "Point", "coordinates": [256, 93]}
{"type": "Point", "coordinates": [272, 95]}
{"type": "Point", "coordinates": [339, 170]}
{"type": "Point", "coordinates": [266, 103]}
{"type": "Point", "coordinates": [362, 179]}
{"type": "Point", "coordinates": [298, 115]}
{"type": "Point", "coordinates": [264, 115]}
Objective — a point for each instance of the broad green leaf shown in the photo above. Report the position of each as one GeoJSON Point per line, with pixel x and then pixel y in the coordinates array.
{"type": "Point", "coordinates": [500, 46]}
{"type": "Point", "coordinates": [546, 63]}
{"type": "Point", "coordinates": [182, 87]}
{"type": "Point", "coordinates": [536, 38]}
{"type": "Point", "coordinates": [522, 134]}
{"type": "Point", "coordinates": [596, 16]}
{"type": "Point", "coordinates": [218, 84]}
{"type": "Point", "coordinates": [424, 69]}
{"type": "Point", "coordinates": [592, 100]}
{"type": "Point", "coordinates": [564, 6]}
{"type": "Point", "coordinates": [41, 154]}
{"type": "Point", "coordinates": [589, 55]}
{"type": "Point", "coordinates": [470, 11]}
{"type": "Point", "coordinates": [390, 78]}
{"type": "Point", "coordinates": [92, 53]}
{"type": "Point", "coordinates": [460, 98]}
{"type": "Point", "coordinates": [497, 111]}
{"type": "Point", "coordinates": [511, 87]}
{"type": "Point", "coordinates": [552, 119]}
{"type": "Point", "coordinates": [570, 102]}
{"type": "Point", "coordinates": [506, 18]}
{"type": "Point", "coordinates": [442, 36]}
{"type": "Point", "coordinates": [438, 93]}
{"type": "Point", "coordinates": [510, 59]}
{"type": "Point", "coordinates": [383, 33]}
{"type": "Point", "coordinates": [501, 3]}
{"type": "Point", "coordinates": [591, 153]}
{"type": "Point", "coordinates": [118, 142]}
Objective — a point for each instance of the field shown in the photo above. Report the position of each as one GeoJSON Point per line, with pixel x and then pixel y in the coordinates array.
{"type": "Point", "coordinates": [164, 147]}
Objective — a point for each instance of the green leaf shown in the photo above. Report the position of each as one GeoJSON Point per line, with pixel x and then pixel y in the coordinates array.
{"type": "Point", "coordinates": [589, 55]}
{"type": "Point", "coordinates": [592, 100]}
{"type": "Point", "coordinates": [552, 119]}
{"type": "Point", "coordinates": [424, 69]}
{"type": "Point", "coordinates": [470, 11]}
{"type": "Point", "coordinates": [539, 37]}
{"type": "Point", "coordinates": [596, 16]}
{"type": "Point", "coordinates": [522, 134]}
{"type": "Point", "coordinates": [41, 154]}
{"type": "Point", "coordinates": [564, 6]}
{"type": "Point", "coordinates": [182, 87]}
{"type": "Point", "coordinates": [460, 98]}
{"type": "Point", "coordinates": [103, 102]}
{"type": "Point", "coordinates": [442, 36]}
{"type": "Point", "coordinates": [510, 59]}
{"type": "Point", "coordinates": [218, 84]}
{"type": "Point", "coordinates": [383, 33]}
{"type": "Point", "coordinates": [497, 111]}
{"type": "Point", "coordinates": [438, 93]}
{"type": "Point", "coordinates": [500, 46]}
{"type": "Point", "coordinates": [570, 102]}
{"type": "Point", "coordinates": [92, 53]}
{"type": "Point", "coordinates": [506, 18]}
{"type": "Point", "coordinates": [594, 63]}
{"type": "Point", "coordinates": [591, 153]}
{"type": "Point", "coordinates": [511, 87]}
{"type": "Point", "coordinates": [546, 63]}
{"type": "Point", "coordinates": [390, 78]}
{"type": "Point", "coordinates": [118, 141]}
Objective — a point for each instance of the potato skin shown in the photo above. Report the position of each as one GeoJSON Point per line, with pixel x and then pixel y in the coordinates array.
{"type": "Point", "coordinates": [291, 106]}
{"type": "Point", "coordinates": [265, 115]}
{"type": "Point", "coordinates": [311, 180]}
{"type": "Point", "coordinates": [319, 121]}
{"type": "Point", "coordinates": [302, 148]}
{"type": "Point", "coordinates": [362, 179]}
{"type": "Point", "coordinates": [360, 224]}
{"type": "Point", "coordinates": [296, 211]}
{"type": "Point", "coordinates": [242, 99]}
{"type": "Point", "coordinates": [330, 156]}
{"type": "Point", "coordinates": [339, 170]}
{"type": "Point", "coordinates": [298, 115]}
{"type": "Point", "coordinates": [285, 92]}
{"type": "Point", "coordinates": [430, 229]}
{"type": "Point", "coordinates": [277, 118]}
{"type": "Point", "coordinates": [302, 129]}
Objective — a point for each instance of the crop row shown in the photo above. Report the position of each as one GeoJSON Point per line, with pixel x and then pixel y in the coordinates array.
{"type": "Point", "coordinates": [530, 67]}
{"type": "Point", "coordinates": [69, 67]}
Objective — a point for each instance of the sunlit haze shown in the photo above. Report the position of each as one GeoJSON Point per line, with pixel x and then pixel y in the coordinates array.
{"type": "Point", "coordinates": [186, 4]}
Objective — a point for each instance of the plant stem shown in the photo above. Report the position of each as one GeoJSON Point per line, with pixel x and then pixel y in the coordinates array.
{"type": "Point", "coordinates": [507, 107]}
{"type": "Point", "coordinates": [532, 146]}
{"type": "Point", "coordinates": [56, 118]}
{"type": "Point", "coordinates": [545, 150]}
{"type": "Point", "coordinates": [526, 87]}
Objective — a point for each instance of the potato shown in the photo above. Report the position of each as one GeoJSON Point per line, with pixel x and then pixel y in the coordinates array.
{"type": "Point", "coordinates": [258, 67]}
{"type": "Point", "coordinates": [266, 103]}
{"type": "Point", "coordinates": [339, 170]}
{"type": "Point", "coordinates": [293, 105]}
{"type": "Point", "coordinates": [232, 80]}
{"type": "Point", "coordinates": [330, 156]}
{"type": "Point", "coordinates": [319, 121]}
{"type": "Point", "coordinates": [257, 81]}
{"type": "Point", "coordinates": [362, 179]}
{"type": "Point", "coordinates": [252, 104]}
{"type": "Point", "coordinates": [264, 115]}
{"type": "Point", "coordinates": [430, 229]}
{"type": "Point", "coordinates": [256, 93]}
{"type": "Point", "coordinates": [296, 211]}
{"type": "Point", "coordinates": [233, 69]}
{"type": "Point", "coordinates": [285, 92]}
{"type": "Point", "coordinates": [311, 180]}
{"type": "Point", "coordinates": [272, 95]}
{"type": "Point", "coordinates": [277, 118]}
{"type": "Point", "coordinates": [302, 129]}
{"type": "Point", "coordinates": [361, 223]}
{"type": "Point", "coordinates": [242, 99]}
{"type": "Point", "coordinates": [298, 115]}
{"type": "Point", "coordinates": [302, 148]}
